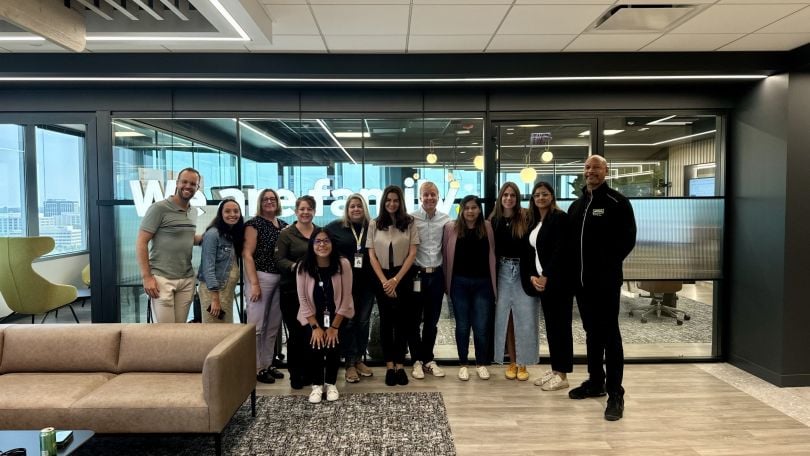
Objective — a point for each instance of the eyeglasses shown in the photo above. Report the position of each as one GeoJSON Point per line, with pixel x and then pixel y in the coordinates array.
{"type": "Point", "coordinates": [322, 242]}
{"type": "Point", "coordinates": [269, 200]}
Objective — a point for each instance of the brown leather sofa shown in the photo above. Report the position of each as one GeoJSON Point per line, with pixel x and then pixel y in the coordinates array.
{"type": "Point", "coordinates": [126, 378]}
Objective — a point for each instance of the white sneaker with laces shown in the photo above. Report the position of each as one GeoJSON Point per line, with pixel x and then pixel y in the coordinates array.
{"type": "Point", "coordinates": [316, 395]}
{"type": "Point", "coordinates": [483, 372]}
{"type": "Point", "coordinates": [332, 393]}
{"type": "Point", "coordinates": [547, 375]}
{"type": "Point", "coordinates": [418, 372]}
{"type": "Point", "coordinates": [433, 368]}
{"type": "Point", "coordinates": [556, 383]}
{"type": "Point", "coordinates": [463, 374]}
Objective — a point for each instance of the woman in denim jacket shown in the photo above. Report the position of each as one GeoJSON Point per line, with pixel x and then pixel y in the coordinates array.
{"type": "Point", "coordinates": [219, 269]}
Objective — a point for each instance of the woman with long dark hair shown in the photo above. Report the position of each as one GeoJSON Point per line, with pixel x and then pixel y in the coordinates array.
{"type": "Point", "coordinates": [392, 241]}
{"type": "Point", "coordinates": [515, 310]}
{"type": "Point", "coordinates": [324, 285]}
{"type": "Point", "coordinates": [468, 247]}
{"type": "Point", "coordinates": [544, 274]}
{"type": "Point", "coordinates": [291, 248]}
{"type": "Point", "coordinates": [349, 235]}
{"type": "Point", "coordinates": [262, 278]}
{"type": "Point", "coordinates": [219, 266]}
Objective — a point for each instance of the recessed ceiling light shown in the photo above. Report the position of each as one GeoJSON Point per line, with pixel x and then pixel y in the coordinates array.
{"type": "Point", "coordinates": [605, 132]}
{"type": "Point", "coordinates": [352, 134]}
{"type": "Point", "coordinates": [462, 132]}
{"type": "Point", "coordinates": [528, 126]}
{"type": "Point", "coordinates": [127, 134]}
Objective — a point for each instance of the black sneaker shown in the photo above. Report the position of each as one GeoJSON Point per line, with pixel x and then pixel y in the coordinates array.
{"type": "Point", "coordinates": [264, 377]}
{"type": "Point", "coordinates": [402, 377]}
{"type": "Point", "coordinates": [275, 373]}
{"type": "Point", "coordinates": [587, 389]}
{"type": "Point", "coordinates": [615, 407]}
{"type": "Point", "coordinates": [390, 377]}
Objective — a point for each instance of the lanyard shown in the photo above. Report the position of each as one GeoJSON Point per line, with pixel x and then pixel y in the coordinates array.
{"type": "Point", "coordinates": [358, 238]}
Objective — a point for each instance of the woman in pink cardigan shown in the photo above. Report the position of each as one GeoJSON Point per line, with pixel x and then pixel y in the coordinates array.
{"type": "Point", "coordinates": [325, 298]}
{"type": "Point", "coordinates": [469, 258]}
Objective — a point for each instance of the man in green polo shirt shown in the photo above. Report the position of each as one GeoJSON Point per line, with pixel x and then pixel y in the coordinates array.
{"type": "Point", "coordinates": [168, 277]}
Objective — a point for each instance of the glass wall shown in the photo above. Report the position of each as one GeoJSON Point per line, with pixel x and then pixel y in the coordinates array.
{"type": "Point", "coordinates": [51, 158]}
{"type": "Point", "coordinates": [670, 167]}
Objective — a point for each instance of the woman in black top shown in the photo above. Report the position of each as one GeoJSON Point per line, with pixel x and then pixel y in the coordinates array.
{"type": "Point", "coordinates": [349, 235]}
{"type": "Point", "coordinates": [544, 274]}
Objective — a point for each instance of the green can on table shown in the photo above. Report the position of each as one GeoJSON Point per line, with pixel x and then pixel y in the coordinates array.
{"type": "Point", "coordinates": [47, 442]}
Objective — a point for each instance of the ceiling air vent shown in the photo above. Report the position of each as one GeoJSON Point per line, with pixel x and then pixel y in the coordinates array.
{"type": "Point", "coordinates": [643, 18]}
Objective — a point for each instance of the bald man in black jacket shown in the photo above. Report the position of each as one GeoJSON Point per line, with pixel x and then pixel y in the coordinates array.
{"type": "Point", "coordinates": [603, 233]}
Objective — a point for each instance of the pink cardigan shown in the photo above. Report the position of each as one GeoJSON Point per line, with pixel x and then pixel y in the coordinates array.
{"type": "Point", "coordinates": [449, 253]}
{"type": "Point", "coordinates": [342, 286]}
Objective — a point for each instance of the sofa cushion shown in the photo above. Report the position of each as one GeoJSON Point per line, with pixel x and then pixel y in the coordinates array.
{"type": "Point", "coordinates": [60, 348]}
{"type": "Point", "coordinates": [34, 401]}
{"type": "Point", "coordinates": [145, 402]}
{"type": "Point", "coordinates": [2, 331]}
{"type": "Point", "coordinates": [169, 347]}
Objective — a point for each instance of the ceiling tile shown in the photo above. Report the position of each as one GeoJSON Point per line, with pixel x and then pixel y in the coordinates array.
{"type": "Point", "coordinates": [735, 18]}
{"type": "Point", "coordinates": [550, 19]}
{"type": "Point", "coordinates": [292, 43]}
{"type": "Point", "coordinates": [444, 43]}
{"type": "Point", "coordinates": [462, 2]}
{"type": "Point", "coordinates": [798, 22]}
{"type": "Point", "coordinates": [760, 2]}
{"type": "Point", "coordinates": [568, 2]}
{"type": "Point", "coordinates": [206, 47]}
{"type": "Point", "coordinates": [456, 19]}
{"type": "Point", "coordinates": [362, 20]}
{"type": "Point", "coordinates": [768, 42]}
{"type": "Point", "coordinates": [665, 2]}
{"type": "Point", "coordinates": [692, 42]}
{"type": "Point", "coordinates": [283, 2]}
{"type": "Point", "coordinates": [366, 43]}
{"type": "Point", "coordinates": [292, 20]}
{"type": "Point", "coordinates": [124, 46]}
{"type": "Point", "coordinates": [604, 42]}
{"type": "Point", "coordinates": [529, 43]}
{"type": "Point", "coordinates": [32, 46]}
{"type": "Point", "coordinates": [360, 2]}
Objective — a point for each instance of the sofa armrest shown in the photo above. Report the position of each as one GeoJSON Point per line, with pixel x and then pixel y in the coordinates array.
{"type": "Point", "coordinates": [229, 375]}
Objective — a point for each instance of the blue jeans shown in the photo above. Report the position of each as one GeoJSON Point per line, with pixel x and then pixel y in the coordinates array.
{"type": "Point", "coordinates": [354, 337]}
{"type": "Point", "coordinates": [473, 302]}
{"type": "Point", "coordinates": [428, 304]}
{"type": "Point", "coordinates": [525, 316]}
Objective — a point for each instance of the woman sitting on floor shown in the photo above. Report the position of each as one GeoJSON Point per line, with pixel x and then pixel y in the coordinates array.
{"type": "Point", "coordinates": [325, 297]}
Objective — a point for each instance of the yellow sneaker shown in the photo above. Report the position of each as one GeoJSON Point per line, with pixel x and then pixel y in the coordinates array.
{"type": "Point", "coordinates": [522, 373]}
{"type": "Point", "coordinates": [511, 371]}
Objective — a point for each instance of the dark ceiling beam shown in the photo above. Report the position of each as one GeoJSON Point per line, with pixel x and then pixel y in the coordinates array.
{"type": "Point", "coordinates": [50, 19]}
{"type": "Point", "coordinates": [396, 65]}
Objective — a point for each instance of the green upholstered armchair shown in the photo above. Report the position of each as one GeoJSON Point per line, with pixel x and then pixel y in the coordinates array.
{"type": "Point", "coordinates": [25, 291]}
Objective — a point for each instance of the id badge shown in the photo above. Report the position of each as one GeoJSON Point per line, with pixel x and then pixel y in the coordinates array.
{"type": "Point", "coordinates": [358, 260]}
{"type": "Point", "coordinates": [417, 285]}
{"type": "Point", "coordinates": [326, 322]}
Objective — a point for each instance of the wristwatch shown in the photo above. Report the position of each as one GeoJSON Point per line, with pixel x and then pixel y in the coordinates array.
{"type": "Point", "coordinates": [314, 326]}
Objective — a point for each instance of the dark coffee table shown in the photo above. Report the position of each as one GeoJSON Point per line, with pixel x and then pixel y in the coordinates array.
{"type": "Point", "coordinates": [30, 441]}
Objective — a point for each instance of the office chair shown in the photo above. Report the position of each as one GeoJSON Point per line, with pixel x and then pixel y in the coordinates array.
{"type": "Point", "coordinates": [660, 291]}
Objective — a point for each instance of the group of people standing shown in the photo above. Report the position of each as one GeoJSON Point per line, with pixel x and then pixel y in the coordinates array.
{"type": "Point", "coordinates": [322, 282]}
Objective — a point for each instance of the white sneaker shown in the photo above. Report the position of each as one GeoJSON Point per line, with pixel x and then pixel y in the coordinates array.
{"type": "Point", "coordinates": [547, 375]}
{"type": "Point", "coordinates": [433, 368]}
{"type": "Point", "coordinates": [331, 393]}
{"type": "Point", "coordinates": [418, 372]}
{"type": "Point", "coordinates": [483, 372]}
{"type": "Point", "coordinates": [463, 374]}
{"type": "Point", "coordinates": [556, 383]}
{"type": "Point", "coordinates": [316, 395]}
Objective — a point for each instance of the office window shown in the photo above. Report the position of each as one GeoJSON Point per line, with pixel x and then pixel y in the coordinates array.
{"type": "Point", "coordinates": [56, 191]}
{"type": "Point", "coordinates": [12, 186]}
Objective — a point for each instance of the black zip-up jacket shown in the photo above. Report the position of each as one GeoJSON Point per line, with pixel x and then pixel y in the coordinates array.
{"type": "Point", "coordinates": [603, 233]}
{"type": "Point", "coordinates": [552, 252]}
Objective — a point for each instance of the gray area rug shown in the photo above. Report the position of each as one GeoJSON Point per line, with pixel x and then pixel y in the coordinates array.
{"type": "Point", "coordinates": [357, 424]}
{"type": "Point", "coordinates": [657, 330]}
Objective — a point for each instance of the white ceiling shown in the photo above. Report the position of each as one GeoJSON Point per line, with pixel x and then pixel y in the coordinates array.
{"type": "Point", "coordinates": [442, 26]}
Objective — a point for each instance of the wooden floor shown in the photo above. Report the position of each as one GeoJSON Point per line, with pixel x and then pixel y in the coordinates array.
{"type": "Point", "coordinates": [672, 409]}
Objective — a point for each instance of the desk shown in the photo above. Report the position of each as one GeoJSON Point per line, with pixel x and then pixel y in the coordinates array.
{"type": "Point", "coordinates": [30, 441]}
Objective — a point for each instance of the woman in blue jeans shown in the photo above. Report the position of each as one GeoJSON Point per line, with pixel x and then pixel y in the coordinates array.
{"type": "Point", "coordinates": [516, 314]}
{"type": "Point", "coordinates": [468, 247]}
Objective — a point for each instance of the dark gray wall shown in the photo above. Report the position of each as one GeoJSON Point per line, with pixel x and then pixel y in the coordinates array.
{"type": "Point", "coordinates": [768, 252]}
{"type": "Point", "coordinates": [796, 334]}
